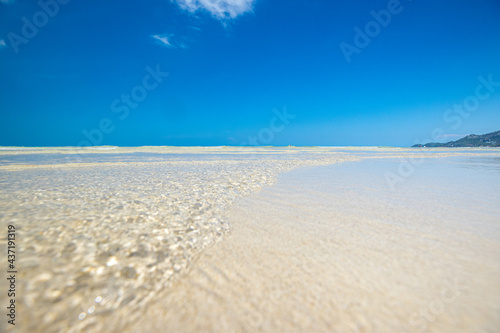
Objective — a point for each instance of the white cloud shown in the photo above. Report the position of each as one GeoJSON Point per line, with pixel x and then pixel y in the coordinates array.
{"type": "Point", "coordinates": [169, 41]}
{"type": "Point", "coordinates": [2, 43]}
{"type": "Point", "coordinates": [220, 9]}
{"type": "Point", "coordinates": [163, 40]}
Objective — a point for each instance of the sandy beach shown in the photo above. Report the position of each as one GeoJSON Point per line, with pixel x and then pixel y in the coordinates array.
{"type": "Point", "coordinates": [224, 239]}
{"type": "Point", "coordinates": [249, 166]}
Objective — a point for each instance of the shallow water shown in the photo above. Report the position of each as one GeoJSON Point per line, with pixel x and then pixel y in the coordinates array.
{"type": "Point", "coordinates": [103, 232]}
{"type": "Point", "coordinates": [335, 249]}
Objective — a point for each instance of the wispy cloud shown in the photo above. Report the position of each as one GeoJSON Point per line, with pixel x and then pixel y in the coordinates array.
{"type": "Point", "coordinates": [163, 40]}
{"type": "Point", "coordinates": [168, 40]}
{"type": "Point", "coordinates": [2, 42]}
{"type": "Point", "coordinates": [220, 9]}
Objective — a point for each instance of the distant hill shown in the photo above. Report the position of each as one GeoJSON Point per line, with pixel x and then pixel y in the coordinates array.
{"type": "Point", "coordinates": [472, 140]}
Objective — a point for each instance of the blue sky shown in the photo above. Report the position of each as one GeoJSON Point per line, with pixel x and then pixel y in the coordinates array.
{"type": "Point", "coordinates": [267, 72]}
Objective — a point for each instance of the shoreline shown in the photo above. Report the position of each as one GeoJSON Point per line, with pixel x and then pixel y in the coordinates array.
{"type": "Point", "coordinates": [292, 262]}
{"type": "Point", "coordinates": [100, 240]}
{"type": "Point", "coordinates": [123, 228]}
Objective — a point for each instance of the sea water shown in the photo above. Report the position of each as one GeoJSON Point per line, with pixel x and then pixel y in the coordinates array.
{"type": "Point", "coordinates": [102, 231]}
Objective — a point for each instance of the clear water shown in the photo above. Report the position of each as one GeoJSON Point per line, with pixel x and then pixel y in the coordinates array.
{"type": "Point", "coordinates": [103, 232]}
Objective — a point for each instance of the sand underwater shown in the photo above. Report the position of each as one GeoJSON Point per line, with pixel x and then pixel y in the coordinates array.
{"type": "Point", "coordinates": [229, 239]}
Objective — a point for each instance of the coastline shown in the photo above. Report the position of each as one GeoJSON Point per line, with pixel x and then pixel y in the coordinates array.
{"type": "Point", "coordinates": [131, 229]}
{"type": "Point", "coordinates": [302, 257]}
{"type": "Point", "coordinates": [102, 235]}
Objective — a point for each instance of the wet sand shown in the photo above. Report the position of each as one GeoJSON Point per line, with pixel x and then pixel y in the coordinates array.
{"type": "Point", "coordinates": [333, 249]}
{"type": "Point", "coordinates": [101, 232]}
{"type": "Point", "coordinates": [194, 239]}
